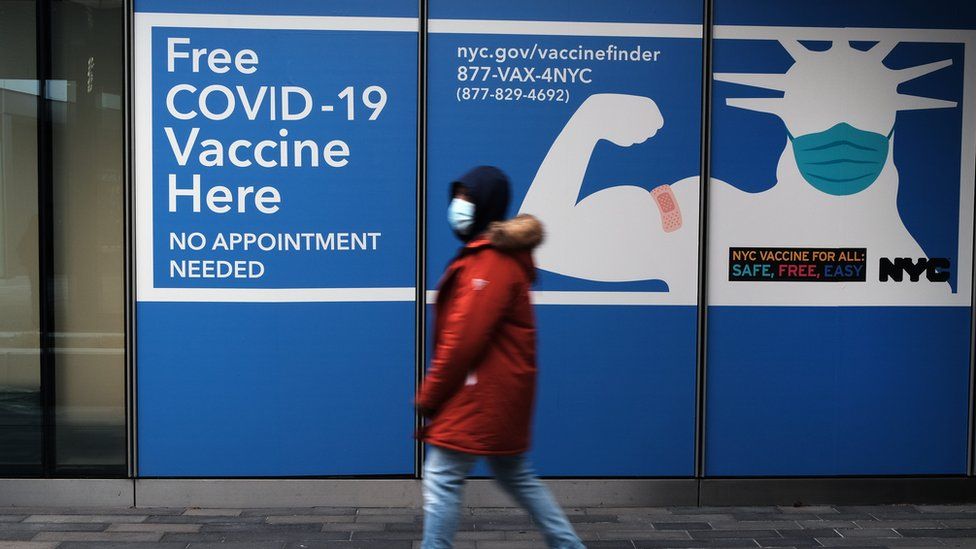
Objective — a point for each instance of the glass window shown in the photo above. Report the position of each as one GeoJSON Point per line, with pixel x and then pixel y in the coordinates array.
{"type": "Point", "coordinates": [20, 379]}
{"type": "Point", "coordinates": [89, 290]}
{"type": "Point", "coordinates": [62, 286]}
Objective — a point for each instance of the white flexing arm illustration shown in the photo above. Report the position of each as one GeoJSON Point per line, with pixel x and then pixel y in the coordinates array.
{"type": "Point", "coordinates": [621, 233]}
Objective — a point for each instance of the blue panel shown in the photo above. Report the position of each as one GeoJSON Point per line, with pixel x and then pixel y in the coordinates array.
{"type": "Point", "coordinates": [627, 11]}
{"type": "Point", "coordinates": [796, 391]}
{"type": "Point", "coordinates": [259, 388]}
{"type": "Point", "coordinates": [946, 14]}
{"type": "Point", "coordinates": [617, 383]}
{"type": "Point", "coordinates": [880, 390]}
{"type": "Point", "coordinates": [374, 8]}
{"type": "Point", "coordinates": [616, 391]}
{"type": "Point", "coordinates": [275, 389]}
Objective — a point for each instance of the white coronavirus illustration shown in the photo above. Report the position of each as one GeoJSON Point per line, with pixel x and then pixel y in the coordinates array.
{"type": "Point", "coordinates": [836, 182]}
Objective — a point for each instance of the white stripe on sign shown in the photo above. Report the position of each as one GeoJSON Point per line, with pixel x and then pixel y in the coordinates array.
{"type": "Point", "coordinates": [746, 32]}
{"type": "Point", "coordinates": [545, 297]}
{"type": "Point", "coordinates": [563, 28]}
{"type": "Point", "coordinates": [279, 22]}
{"type": "Point", "coordinates": [285, 295]}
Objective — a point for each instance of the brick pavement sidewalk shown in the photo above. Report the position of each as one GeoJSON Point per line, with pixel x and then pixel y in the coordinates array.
{"type": "Point", "coordinates": [488, 528]}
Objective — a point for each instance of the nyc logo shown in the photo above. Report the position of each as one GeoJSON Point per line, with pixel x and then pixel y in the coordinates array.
{"type": "Point", "coordinates": [935, 269]}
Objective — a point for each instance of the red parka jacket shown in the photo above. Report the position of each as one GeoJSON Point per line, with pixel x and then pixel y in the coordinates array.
{"type": "Point", "coordinates": [480, 387]}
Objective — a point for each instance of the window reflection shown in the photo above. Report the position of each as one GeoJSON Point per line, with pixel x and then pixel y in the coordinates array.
{"type": "Point", "coordinates": [20, 404]}
{"type": "Point", "coordinates": [87, 63]}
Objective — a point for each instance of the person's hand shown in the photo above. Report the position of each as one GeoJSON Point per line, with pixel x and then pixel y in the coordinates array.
{"type": "Point", "coordinates": [624, 120]}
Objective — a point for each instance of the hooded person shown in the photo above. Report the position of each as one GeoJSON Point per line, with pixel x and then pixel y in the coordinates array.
{"type": "Point", "coordinates": [479, 390]}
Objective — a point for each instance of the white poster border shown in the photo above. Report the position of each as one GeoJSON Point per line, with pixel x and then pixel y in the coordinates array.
{"type": "Point", "coordinates": [146, 290]}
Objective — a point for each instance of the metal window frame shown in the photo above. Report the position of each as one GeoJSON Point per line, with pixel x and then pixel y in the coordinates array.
{"type": "Point", "coordinates": [420, 327]}
{"type": "Point", "coordinates": [705, 150]}
{"type": "Point", "coordinates": [129, 253]}
{"type": "Point", "coordinates": [45, 236]}
{"type": "Point", "coordinates": [971, 451]}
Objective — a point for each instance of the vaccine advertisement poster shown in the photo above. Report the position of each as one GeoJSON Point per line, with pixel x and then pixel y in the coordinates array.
{"type": "Point", "coordinates": [276, 192]}
{"type": "Point", "coordinates": [282, 219]}
{"type": "Point", "coordinates": [840, 239]}
{"type": "Point", "coordinates": [594, 114]}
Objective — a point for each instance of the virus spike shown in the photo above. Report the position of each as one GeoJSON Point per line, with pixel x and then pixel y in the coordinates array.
{"type": "Point", "coordinates": [915, 103]}
{"type": "Point", "coordinates": [758, 104]}
{"type": "Point", "coordinates": [796, 50]}
{"type": "Point", "coordinates": [881, 50]}
{"type": "Point", "coordinates": [767, 81]}
{"type": "Point", "coordinates": [911, 73]}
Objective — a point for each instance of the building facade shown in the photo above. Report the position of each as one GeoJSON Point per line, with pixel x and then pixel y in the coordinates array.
{"type": "Point", "coordinates": [222, 226]}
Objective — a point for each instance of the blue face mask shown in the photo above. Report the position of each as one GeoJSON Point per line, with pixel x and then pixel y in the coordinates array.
{"type": "Point", "coordinates": [460, 214]}
{"type": "Point", "coordinates": [842, 160]}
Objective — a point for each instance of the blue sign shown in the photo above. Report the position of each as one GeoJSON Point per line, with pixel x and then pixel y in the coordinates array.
{"type": "Point", "coordinates": [833, 132]}
{"type": "Point", "coordinates": [276, 191]}
{"type": "Point", "coordinates": [593, 111]}
{"type": "Point", "coordinates": [268, 176]}
{"type": "Point", "coordinates": [276, 229]}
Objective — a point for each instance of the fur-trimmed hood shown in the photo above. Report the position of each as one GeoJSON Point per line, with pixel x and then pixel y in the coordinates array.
{"type": "Point", "coordinates": [523, 232]}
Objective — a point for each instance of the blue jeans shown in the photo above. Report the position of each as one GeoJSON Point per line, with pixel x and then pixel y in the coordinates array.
{"type": "Point", "coordinates": [444, 475]}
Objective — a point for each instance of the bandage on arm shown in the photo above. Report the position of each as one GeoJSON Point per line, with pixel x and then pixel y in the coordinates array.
{"type": "Point", "coordinates": [667, 204]}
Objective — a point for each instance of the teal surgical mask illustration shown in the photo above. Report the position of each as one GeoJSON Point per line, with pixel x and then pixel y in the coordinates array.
{"type": "Point", "coordinates": [842, 160]}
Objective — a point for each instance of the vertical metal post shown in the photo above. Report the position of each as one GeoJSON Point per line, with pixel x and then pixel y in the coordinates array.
{"type": "Point", "coordinates": [702, 331]}
{"type": "Point", "coordinates": [45, 236]}
{"type": "Point", "coordinates": [421, 277]}
{"type": "Point", "coordinates": [970, 450]}
{"type": "Point", "coordinates": [128, 186]}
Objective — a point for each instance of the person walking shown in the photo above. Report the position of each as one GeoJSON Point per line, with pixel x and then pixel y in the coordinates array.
{"type": "Point", "coordinates": [479, 390]}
